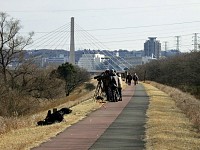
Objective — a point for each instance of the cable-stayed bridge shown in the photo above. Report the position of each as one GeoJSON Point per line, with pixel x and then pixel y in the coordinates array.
{"type": "Point", "coordinates": [70, 36]}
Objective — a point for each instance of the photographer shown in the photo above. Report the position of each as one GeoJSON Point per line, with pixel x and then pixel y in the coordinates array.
{"type": "Point", "coordinates": [106, 82]}
{"type": "Point", "coordinates": [103, 84]}
{"type": "Point", "coordinates": [113, 85]}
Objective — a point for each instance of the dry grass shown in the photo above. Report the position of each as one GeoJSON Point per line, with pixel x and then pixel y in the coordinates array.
{"type": "Point", "coordinates": [167, 127]}
{"type": "Point", "coordinates": [32, 136]}
{"type": "Point", "coordinates": [28, 135]}
{"type": "Point", "coordinates": [186, 102]}
{"type": "Point", "coordinates": [22, 133]}
{"type": "Point", "coordinates": [76, 97]}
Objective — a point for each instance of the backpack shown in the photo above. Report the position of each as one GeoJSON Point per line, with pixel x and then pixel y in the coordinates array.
{"type": "Point", "coordinates": [135, 77]}
{"type": "Point", "coordinates": [113, 83]}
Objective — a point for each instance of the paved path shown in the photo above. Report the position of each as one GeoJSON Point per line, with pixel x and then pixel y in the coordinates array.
{"type": "Point", "coordinates": [118, 126]}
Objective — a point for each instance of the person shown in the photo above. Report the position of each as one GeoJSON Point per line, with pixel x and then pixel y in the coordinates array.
{"type": "Point", "coordinates": [135, 79]}
{"type": "Point", "coordinates": [129, 78]}
{"type": "Point", "coordinates": [119, 86]}
{"type": "Point", "coordinates": [113, 85]}
{"type": "Point", "coordinates": [106, 82]}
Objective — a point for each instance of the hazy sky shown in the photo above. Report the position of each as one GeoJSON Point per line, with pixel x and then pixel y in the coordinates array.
{"type": "Point", "coordinates": [107, 24]}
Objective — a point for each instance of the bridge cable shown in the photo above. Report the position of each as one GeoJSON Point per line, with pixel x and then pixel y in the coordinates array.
{"type": "Point", "coordinates": [47, 37]}
{"type": "Point", "coordinates": [104, 46]}
{"type": "Point", "coordinates": [62, 36]}
{"type": "Point", "coordinates": [98, 65]}
{"type": "Point", "coordinates": [96, 46]}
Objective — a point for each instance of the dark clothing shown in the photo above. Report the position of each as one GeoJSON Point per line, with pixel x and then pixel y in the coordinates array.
{"type": "Point", "coordinates": [128, 79]}
{"type": "Point", "coordinates": [135, 79]}
{"type": "Point", "coordinates": [54, 117]}
{"type": "Point", "coordinates": [106, 82]}
{"type": "Point", "coordinates": [120, 93]}
{"type": "Point", "coordinates": [114, 87]}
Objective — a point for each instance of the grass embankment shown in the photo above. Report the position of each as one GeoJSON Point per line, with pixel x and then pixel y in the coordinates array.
{"type": "Point", "coordinates": [29, 135]}
{"type": "Point", "coordinates": [167, 126]}
{"type": "Point", "coordinates": [11, 123]}
{"type": "Point", "coordinates": [22, 133]}
{"type": "Point", "coordinates": [33, 135]}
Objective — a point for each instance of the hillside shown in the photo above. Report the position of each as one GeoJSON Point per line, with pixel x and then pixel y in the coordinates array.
{"type": "Point", "coordinates": [32, 135]}
{"type": "Point", "coordinates": [165, 122]}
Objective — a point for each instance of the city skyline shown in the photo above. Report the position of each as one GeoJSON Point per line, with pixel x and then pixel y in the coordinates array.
{"type": "Point", "coordinates": [116, 24]}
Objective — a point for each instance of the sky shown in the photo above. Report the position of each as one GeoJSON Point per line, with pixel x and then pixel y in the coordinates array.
{"type": "Point", "coordinates": [107, 24]}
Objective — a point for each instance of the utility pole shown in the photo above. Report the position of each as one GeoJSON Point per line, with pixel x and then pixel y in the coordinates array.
{"type": "Point", "coordinates": [72, 45]}
{"type": "Point", "coordinates": [177, 43]}
{"type": "Point", "coordinates": [195, 41]}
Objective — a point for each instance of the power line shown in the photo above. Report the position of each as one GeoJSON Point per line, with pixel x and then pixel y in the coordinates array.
{"type": "Point", "coordinates": [101, 9]}
{"type": "Point", "coordinates": [147, 26]}
{"type": "Point", "coordinates": [62, 30]}
{"type": "Point", "coordinates": [122, 28]}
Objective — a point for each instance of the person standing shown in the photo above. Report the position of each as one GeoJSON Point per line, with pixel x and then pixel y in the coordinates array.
{"type": "Point", "coordinates": [129, 78]}
{"type": "Point", "coordinates": [135, 79]}
{"type": "Point", "coordinates": [119, 86]}
{"type": "Point", "coordinates": [106, 82]}
{"type": "Point", "coordinates": [113, 85]}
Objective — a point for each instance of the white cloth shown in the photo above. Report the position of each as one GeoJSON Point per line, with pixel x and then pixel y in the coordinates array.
{"type": "Point", "coordinates": [119, 82]}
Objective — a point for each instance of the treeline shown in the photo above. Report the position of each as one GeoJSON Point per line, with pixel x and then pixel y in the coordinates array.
{"type": "Point", "coordinates": [180, 71]}
{"type": "Point", "coordinates": [28, 85]}
{"type": "Point", "coordinates": [23, 86]}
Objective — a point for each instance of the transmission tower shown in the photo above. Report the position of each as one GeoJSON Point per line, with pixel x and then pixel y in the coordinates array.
{"type": "Point", "coordinates": [195, 41]}
{"type": "Point", "coordinates": [165, 44]}
{"type": "Point", "coordinates": [177, 43]}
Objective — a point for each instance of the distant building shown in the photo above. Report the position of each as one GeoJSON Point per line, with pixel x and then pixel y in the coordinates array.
{"type": "Point", "coordinates": [133, 61]}
{"type": "Point", "coordinates": [91, 62]}
{"type": "Point", "coordinates": [54, 61]}
{"type": "Point", "coordinates": [89, 59]}
{"type": "Point", "coordinates": [170, 53]}
{"type": "Point", "coordinates": [152, 48]}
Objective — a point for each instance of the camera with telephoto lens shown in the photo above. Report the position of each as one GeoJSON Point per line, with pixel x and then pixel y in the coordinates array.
{"type": "Point", "coordinates": [99, 77]}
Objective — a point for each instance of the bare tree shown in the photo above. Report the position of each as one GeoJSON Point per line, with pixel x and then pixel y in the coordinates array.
{"type": "Point", "coordinates": [11, 43]}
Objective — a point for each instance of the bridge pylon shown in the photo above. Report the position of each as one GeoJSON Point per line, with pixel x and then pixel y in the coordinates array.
{"type": "Point", "coordinates": [72, 45]}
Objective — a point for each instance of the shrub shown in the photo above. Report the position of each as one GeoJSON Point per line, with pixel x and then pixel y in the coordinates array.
{"type": "Point", "coordinates": [89, 86]}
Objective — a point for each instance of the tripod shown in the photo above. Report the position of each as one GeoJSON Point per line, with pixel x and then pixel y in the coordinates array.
{"type": "Point", "coordinates": [98, 94]}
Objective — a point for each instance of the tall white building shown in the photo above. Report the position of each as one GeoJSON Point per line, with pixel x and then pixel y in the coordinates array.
{"type": "Point", "coordinates": [91, 62]}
